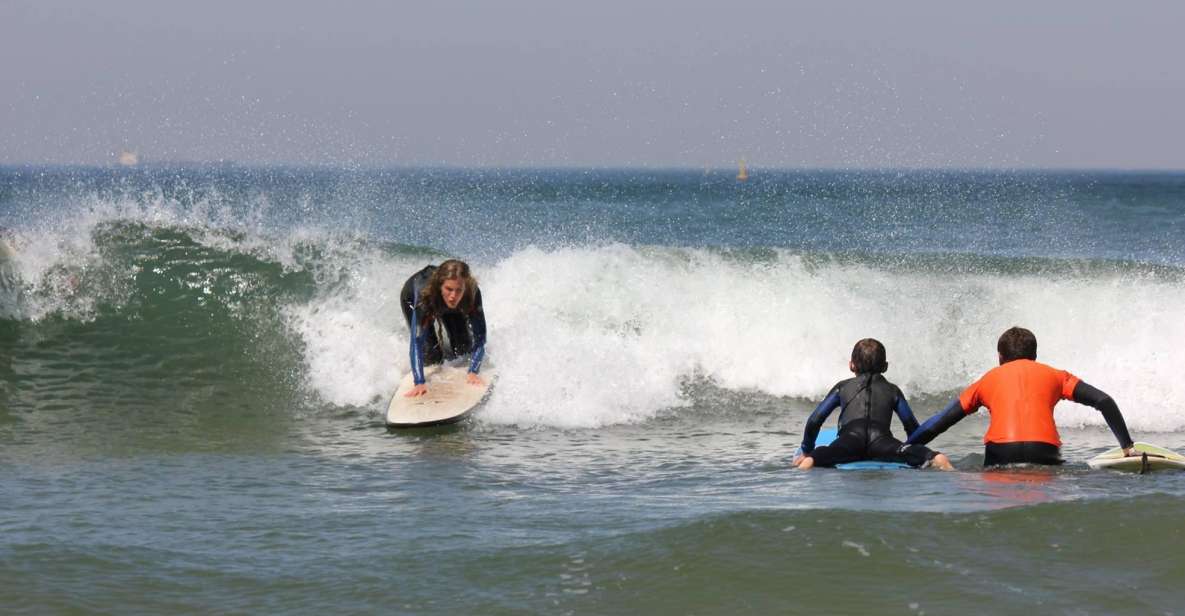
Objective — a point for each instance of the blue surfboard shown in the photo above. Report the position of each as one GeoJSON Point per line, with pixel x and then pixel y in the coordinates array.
{"type": "Point", "coordinates": [826, 435]}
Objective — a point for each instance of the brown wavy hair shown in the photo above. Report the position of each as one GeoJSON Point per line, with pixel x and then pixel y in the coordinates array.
{"type": "Point", "coordinates": [430, 298]}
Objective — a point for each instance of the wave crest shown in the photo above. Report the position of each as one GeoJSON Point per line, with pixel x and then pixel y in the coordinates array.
{"type": "Point", "coordinates": [587, 336]}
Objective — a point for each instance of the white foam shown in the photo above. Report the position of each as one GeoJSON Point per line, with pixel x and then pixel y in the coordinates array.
{"type": "Point", "coordinates": [593, 336]}
{"type": "Point", "coordinates": [356, 344]}
{"type": "Point", "coordinates": [586, 337]}
{"type": "Point", "coordinates": [51, 257]}
{"type": "Point", "coordinates": [55, 262]}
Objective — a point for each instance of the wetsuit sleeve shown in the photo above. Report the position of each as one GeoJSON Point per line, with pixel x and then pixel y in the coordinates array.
{"type": "Point", "coordinates": [1085, 394]}
{"type": "Point", "coordinates": [968, 402]}
{"type": "Point", "coordinates": [937, 424]}
{"type": "Point", "coordinates": [905, 414]}
{"type": "Point", "coordinates": [817, 418]}
{"type": "Point", "coordinates": [477, 321]}
{"type": "Point", "coordinates": [408, 301]}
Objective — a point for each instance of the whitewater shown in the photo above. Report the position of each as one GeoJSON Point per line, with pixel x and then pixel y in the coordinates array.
{"type": "Point", "coordinates": [595, 334]}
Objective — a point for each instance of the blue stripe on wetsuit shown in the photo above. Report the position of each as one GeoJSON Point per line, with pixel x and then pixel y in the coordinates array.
{"type": "Point", "coordinates": [417, 340]}
{"type": "Point", "coordinates": [417, 357]}
{"type": "Point", "coordinates": [477, 324]}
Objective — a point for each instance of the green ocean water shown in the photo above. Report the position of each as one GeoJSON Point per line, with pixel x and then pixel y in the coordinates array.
{"type": "Point", "coordinates": [194, 364]}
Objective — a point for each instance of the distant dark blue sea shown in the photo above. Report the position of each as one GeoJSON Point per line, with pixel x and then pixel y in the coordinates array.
{"type": "Point", "coordinates": [195, 361]}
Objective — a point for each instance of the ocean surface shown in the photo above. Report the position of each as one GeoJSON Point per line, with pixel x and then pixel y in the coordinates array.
{"type": "Point", "coordinates": [194, 363]}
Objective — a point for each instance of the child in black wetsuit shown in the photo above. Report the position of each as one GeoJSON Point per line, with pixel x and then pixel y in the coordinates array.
{"type": "Point", "coordinates": [867, 403]}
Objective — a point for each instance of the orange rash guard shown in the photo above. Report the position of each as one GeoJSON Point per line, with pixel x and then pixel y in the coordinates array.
{"type": "Point", "coordinates": [1020, 395]}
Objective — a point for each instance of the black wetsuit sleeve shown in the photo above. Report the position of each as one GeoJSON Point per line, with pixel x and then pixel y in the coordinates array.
{"type": "Point", "coordinates": [477, 322]}
{"type": "Point", "coordinates": [937, 424]}
{"type": "Point", "coordinates": [1085, 394]}
{"type": "Point", "coordinates": [407, 300]}
{"type": "Point", "coordinates": [817, 418]}
{"type": "Point", "coordinates": [905, 414]}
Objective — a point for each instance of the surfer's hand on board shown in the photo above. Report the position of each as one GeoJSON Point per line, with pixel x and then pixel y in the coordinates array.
{"type": "Point", "coordinates": [418, 390]}
{"type": "Point", "coordinates": [473, 379]}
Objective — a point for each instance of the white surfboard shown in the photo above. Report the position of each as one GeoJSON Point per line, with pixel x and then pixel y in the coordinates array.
{"type": "Point", "coordinates": [1150, 458]}
{"type": "Point", "coordinates": [449, 399]}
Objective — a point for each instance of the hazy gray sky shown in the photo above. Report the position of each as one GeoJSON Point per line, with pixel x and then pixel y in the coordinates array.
{"type": "Point", "coordinates": [606, 83]}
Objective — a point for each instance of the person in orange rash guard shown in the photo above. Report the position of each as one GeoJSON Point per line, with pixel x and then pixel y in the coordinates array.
{"type": "Point", "coordinates": [1020, 395]}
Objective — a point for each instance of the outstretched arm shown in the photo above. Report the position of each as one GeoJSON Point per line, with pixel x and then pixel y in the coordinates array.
{"type": "Point", "coordinates": [1085, 394]}
{"type": "Point", "coordinates": [477, 321]}
{"type": "Point", "coordinates": [938, 424]}
{"type": "Point", "coordinates": [408, 302]}
{"type": "Point", "coordinates": [416, 353]}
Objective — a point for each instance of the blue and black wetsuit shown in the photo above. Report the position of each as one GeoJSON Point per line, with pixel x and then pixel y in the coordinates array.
{"type": "Point", "coordinates": [867, 403]}
{"type": "Point", "coordinates": [450, 334]}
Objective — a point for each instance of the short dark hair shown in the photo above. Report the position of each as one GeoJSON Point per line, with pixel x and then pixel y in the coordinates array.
{"type": "Point", "coordinates": [1017, 343]}
{"type": "Point", "coordinates": [869, 356]}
